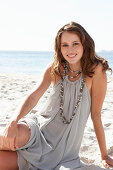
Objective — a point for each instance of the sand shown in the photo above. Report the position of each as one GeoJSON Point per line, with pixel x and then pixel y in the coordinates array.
{"type": "Point", "coordinates": [13, 90]}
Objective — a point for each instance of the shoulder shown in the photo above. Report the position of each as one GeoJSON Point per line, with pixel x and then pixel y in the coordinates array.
{"type": "Point", "coordinates": [55, 77]}
{"type": "Point", "coordinates": [99, 77]}
{"type": "Point", "coordinates": [99, 72]}
{"type": "Point", "coordinates": [47, 74]}
{"type": "Point", "coordinates": [99, 82]}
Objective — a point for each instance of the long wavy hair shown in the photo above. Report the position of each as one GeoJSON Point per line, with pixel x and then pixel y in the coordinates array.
{"type": "Point", "coordinates": [89, 59]}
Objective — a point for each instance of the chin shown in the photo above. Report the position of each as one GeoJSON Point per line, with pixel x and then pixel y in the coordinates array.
{"type": "Point", "coordinates": [72, 62]}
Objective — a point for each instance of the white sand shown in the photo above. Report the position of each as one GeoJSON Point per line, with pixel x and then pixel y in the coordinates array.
{"type": "Point", "coordinates": [14, 88]}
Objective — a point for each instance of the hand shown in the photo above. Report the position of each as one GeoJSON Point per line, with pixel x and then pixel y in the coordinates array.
{"type": "Point", "coordinates": [9, 136]}
{"type": "Point", "coordinates": [107, 162]}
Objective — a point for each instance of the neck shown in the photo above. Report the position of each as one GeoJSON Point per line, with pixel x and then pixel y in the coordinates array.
{"type": "Point", "coordinates": [75, 67]}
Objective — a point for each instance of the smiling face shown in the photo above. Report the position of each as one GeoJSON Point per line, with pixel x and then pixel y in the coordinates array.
{"type": "Point", "coordinates": [71, 48]}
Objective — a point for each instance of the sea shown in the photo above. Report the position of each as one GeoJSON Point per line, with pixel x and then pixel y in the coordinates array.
{"type": "Point", "coordinates": [33, 62]}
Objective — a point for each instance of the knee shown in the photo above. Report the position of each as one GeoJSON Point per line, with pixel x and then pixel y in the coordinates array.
{"type": "Point", "coordinates": [23, 135]}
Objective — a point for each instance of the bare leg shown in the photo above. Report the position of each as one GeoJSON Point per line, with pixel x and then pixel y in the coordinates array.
{"type": "Point", "coordinates": [8, 160]}
{"type": "Point", "coordinates": [23, 135]}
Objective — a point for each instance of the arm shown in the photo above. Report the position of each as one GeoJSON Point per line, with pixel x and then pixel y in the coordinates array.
{"type": "Point", "coordinates": [98, 91]}
{"type": "Point", "coordinates": [10, 132]}
{"type": "Point", "coordinates": [34, 97]}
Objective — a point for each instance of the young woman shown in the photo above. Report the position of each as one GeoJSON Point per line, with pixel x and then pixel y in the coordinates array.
{"type": "Point", "coordinates": [52, 138]}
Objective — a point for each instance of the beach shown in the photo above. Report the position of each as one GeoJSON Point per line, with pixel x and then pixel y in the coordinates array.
{"type": "Point", "coordinates": [14, 88]}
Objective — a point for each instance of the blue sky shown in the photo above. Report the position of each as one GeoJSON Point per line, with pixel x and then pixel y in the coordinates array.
{"type": "Point", "coordinates": [33, 24]}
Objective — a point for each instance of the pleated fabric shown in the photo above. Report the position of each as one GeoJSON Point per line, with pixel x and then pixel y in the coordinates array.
{"type": "Point", "coordinates": [54, 145]}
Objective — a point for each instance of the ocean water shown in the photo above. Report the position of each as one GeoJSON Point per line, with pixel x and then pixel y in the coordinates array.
{"type": "Point", "coordinates": [32, 62]}
{"type": "Point", "coordinates": [24, 62]}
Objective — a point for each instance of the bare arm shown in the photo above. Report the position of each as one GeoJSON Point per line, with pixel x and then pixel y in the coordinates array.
{"type": "Point", "coordinates": [34, 97]}
{"type": "Point", "coordinates": [98, 92]}
{"type": "Point", "coordinates": [99, 86]}
{"type": "Point", "coordinates": [11, 130]}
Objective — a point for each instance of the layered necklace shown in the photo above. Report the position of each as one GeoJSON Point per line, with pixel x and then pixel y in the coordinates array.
{"type": "Point", "coordinates": [77, 72]}
{"type": "Point", "coordinates": [63, 118]}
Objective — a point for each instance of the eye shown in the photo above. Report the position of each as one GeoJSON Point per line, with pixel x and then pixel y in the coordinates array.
{"type": "Point", "coordinates": [64, 45]}
{"type": "Point", "coordinates": [75, 44]}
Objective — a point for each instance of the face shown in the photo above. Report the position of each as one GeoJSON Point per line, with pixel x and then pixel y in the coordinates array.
{"type": "Point", "coordinates": [71, 48]}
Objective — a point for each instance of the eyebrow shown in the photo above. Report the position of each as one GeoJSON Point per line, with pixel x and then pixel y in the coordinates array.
{"type": "Point", "coordinates": [72, 42]}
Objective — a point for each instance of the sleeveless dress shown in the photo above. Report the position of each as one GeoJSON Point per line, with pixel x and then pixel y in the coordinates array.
{"type": "Point", "coordinates": [54, 145]}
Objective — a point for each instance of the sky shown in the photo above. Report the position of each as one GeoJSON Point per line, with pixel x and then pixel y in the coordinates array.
{"type": "Point", "coordinates": [32, 25]}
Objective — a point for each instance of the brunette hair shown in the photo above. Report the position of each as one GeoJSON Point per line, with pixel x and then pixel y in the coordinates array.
{"type": "Point", "coordinates": [89, 59]}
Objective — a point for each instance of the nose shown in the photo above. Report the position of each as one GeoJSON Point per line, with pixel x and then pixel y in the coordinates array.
{"type": "Point", "coordinates": [71, 49]}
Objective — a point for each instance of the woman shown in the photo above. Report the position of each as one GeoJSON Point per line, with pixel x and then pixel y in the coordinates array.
{"type": "Point", "coordinates": [51, 139]}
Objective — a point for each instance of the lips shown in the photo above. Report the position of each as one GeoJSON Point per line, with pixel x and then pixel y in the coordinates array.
{"type": "Point", "coordinates": [72, 56]}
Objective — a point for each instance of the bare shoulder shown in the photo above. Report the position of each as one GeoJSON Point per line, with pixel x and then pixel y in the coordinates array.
{"type": "Point", "coordinates": [99, 82]}
{"type": "Point", "coordinates": [47, 74]}
{"type": "Point", "coordinates": [98, 77]}
{"type": "Point", "coordinates": [99, 73]}
{"type": "Point", "coordinates": [55, 77]}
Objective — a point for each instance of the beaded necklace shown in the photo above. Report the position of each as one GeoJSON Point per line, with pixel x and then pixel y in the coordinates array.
{"type": "Point", "coordinates": [63, 118]}
{"type": "Point", "coordinates": [77, 72]}
{"type": "Point", "coordinates": [72, 77]}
